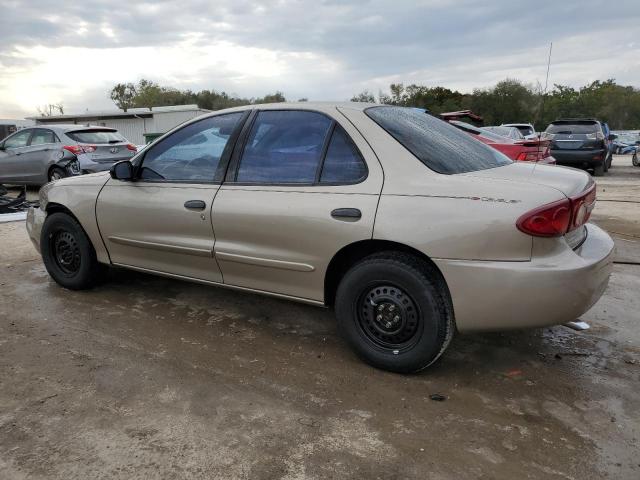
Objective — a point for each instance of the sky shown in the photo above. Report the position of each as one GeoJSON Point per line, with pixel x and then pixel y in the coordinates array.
{"type": "Point", "coordinates": [74, 52]}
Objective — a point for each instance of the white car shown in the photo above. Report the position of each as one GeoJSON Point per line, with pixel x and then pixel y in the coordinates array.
{"type": "Point", "coordinates": [528, 131]}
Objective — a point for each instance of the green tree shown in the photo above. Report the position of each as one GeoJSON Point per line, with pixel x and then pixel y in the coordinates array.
{"type": "Point", "coordinates": [123, 95]}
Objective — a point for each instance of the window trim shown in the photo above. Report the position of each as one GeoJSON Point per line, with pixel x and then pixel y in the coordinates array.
{"type": "Point", "coordinates": [218, 175]}
{"type": "Point", "coordinates": [232, 172]}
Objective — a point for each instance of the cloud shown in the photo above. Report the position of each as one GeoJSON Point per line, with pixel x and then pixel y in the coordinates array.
{"type": "Point", "coordinates": [73, 52]}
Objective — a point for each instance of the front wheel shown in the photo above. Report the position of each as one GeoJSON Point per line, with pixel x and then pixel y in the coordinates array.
{"type": "Point", "coordinates": [634, 160]}
{"type": "Point", "coordinates": [394, 311]}
{"type": "Point", "coordinates": [68, 254]}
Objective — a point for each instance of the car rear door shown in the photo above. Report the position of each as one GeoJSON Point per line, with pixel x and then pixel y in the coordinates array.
{"type": "Point", "coordinates": [162, 221]}
{"type": "Point", "coordinates": [304, 185]}
{"type": "Point", "coordinates": [34, 161]}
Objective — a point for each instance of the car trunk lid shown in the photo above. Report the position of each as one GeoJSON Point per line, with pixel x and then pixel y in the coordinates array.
{"type": "Point", "coordinates": [102, 145]}
{"type": "Point", "coordinates": [569, 181]}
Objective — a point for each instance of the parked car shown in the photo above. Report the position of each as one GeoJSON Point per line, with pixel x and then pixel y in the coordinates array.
{"type": "Point", "coordinates": [625, 143]}
{"type": "Point", "coordinates": [580, 143]}
{"type": "Point", "coordinates": [34, 156]}
{"type": "Point", "coordinates": [536, 150]}
{"type": "Point", "coordinates": [527, 130]}
{"type": "Point", "coordinates": [509, 132]}
{"type": "Point", "coordinates": [408, 227]}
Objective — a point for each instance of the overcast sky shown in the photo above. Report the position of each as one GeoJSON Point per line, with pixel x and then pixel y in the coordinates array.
{"type": "Point", "coordinates": [73, 52]}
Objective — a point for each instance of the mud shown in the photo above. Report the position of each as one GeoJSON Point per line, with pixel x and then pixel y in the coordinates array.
{"type": "Point", "coordinates": [149, 378]}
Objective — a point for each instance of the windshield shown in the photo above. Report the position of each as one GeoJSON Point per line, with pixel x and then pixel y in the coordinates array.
{"type": "Point", "coordinates": [440, 146]}
{"type": "Point", "coordinates": [96, 136]}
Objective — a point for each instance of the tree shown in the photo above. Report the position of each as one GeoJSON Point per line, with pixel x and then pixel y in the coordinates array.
{"type": "Point", "coordinates": [49, 109]}
{"type": "Point", "coordinates": [124, 95]}
{"type": "Point", "coordinates": [365, 96]}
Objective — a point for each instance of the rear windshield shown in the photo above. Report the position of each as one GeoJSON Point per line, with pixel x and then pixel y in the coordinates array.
{"type": "Point", "coordinates": [440, 146]}
{"type": "Point", "coordinates": [96, 136]}
{"type": "Point", "coordinates": [570, 128]}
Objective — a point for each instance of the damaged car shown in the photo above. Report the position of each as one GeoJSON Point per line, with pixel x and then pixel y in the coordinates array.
{"type": "Point", "coordinates": [407, 227]}
{"type": "Point", "coordinates": [35, 156]}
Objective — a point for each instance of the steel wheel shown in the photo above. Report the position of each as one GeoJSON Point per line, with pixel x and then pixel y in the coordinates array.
{"type": "Point", "coordinates": [388, 317]}
{"type": "Point", "coordinates": [66, 251]}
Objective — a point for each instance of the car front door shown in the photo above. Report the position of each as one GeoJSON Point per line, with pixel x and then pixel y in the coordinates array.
{"type": "Point", "coordinates": [11, 164]}
{"type": "Point", "coordinates": [304, 185]}
{"type": "Point", "coordinates": [161, 221]}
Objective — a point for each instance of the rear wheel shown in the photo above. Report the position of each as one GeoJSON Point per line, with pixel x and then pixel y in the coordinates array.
{"type": "Point", "coordinates": [394, 311]}
{"type": "Point", "coordinates": [68, 254]}
{"type": "Point", "coordinates": [598, 170]}
{"type": "Point", "coordinates": [56, 173]}
{"type": "Point", "coordinates": [634, 160]}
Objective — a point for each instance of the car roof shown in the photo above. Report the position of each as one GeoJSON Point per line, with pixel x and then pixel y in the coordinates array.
{"type": "Point", "coordinates": [299, 106]}
{"type": "Point", "coordinates": [57, 127]}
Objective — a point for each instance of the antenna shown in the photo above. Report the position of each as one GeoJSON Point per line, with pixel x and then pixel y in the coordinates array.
{"type": "Point", "coordinates": [544, 95]}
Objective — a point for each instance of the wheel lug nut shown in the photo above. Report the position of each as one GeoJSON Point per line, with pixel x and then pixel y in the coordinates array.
{"type": "Point", "coordinates": [379, 318]}
{"type": "Point", "coordinates": [396, 318]}
{"type": "Point", "coordinates": [380, 308]}
{"type": "Point", "coordinates": [392, 308]}
{"type": "Point", "coordinates": [388, 324]}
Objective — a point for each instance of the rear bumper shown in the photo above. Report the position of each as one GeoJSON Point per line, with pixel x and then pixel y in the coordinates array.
{"type": "Point", "coordinates": [579, 158]}
{"type": "Point", "coordinates": [549, 290]}
{"type": "Point", "coordinates": [35, 220]}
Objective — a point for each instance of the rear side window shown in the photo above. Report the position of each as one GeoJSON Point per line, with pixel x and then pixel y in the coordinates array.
{"type": "Point", "coordinates": [96, 136]}
{"type": "Point", "coordinates": [284, 146]}
{"type": "Point", "coordinates": [571, 128]}
{"type": "Point", "coordinates": [440, 146]}
{"type": "Point", "coordinates": [41, 137]}
{"type": "Point", "coordinates": [343, 163]}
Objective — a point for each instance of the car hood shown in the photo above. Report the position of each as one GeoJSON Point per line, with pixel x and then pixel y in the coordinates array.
{"type": "Point", "coordinates": [91, 179]}
{"type": "Point", "coordinates": [569, 181]}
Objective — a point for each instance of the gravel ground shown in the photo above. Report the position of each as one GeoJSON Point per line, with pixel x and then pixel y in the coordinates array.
{"type": "Point", "coordinates": [150, 378]}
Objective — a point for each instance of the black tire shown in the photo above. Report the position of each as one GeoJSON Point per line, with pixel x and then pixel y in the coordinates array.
{"type": "Point", "coordinates": [68, 254]}
{"type": "Point", "coordinates": [598, 170]}
{"type": "Point", "coordinates": [634, 160]}
{"type": "Point", "coordinates": [56, 173]}
{"type": "Point", "coordinates": [609, 161]}
{"type": "Point", "coordinates": [404, 339]}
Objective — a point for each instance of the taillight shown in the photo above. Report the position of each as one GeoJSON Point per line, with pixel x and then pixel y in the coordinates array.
{"type": "Point", "coordinates": [132, 147]}
{"type": "Point", "coordinates": [78, 149]}
{"type": "Point", "coordinates": [558, 218]}
{"type": "Point", "coordinates": [529, 157]}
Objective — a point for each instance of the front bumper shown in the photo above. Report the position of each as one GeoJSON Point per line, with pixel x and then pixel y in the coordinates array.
{"type": "Point", "coordinates": [579, 158]}
{"type": "Point", "coordinates": [548, 290]}
{"type": "Point", "coordinates": [35, 220]}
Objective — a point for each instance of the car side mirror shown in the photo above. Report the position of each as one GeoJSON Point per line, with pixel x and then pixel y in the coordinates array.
{"type": "Point", "coordinates": [122, 171]}
{"type": "Point", "coordinates": [1, 146]}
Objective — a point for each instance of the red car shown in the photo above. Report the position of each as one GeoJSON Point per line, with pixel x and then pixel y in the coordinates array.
{"type": "Point", "coordinates": [533, 150]}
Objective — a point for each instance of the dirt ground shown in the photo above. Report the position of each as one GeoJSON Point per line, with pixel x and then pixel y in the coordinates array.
{"type": "Point", "coordinates": [152, 378]}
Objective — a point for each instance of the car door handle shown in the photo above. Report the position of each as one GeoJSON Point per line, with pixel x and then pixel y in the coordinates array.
{"type": "Point", "coordinates": [346, 213]}
{"type": "Point", "coordinates": [195, 205]}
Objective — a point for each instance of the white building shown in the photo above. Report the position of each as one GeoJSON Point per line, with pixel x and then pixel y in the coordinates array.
{"type": "Point", "coordinates": [132, 124]}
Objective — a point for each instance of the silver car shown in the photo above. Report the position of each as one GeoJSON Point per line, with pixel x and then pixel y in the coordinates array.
{"type": "Point", "coordinates": [37, 155]}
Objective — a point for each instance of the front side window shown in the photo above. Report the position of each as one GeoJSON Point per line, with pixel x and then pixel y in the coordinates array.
{"type": "Point", "coordinates": [18, 140]}
{"type": "Point", "coordinates": [42, 137]}
{"type": "Point", "coordinates": [440, 146]}
{"type": "Point", "coordinates": [343, 163]}
{"type": "Point", "coordinates": [284, 146]}
{"type": "Point", "coordinates": [191, 154]}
